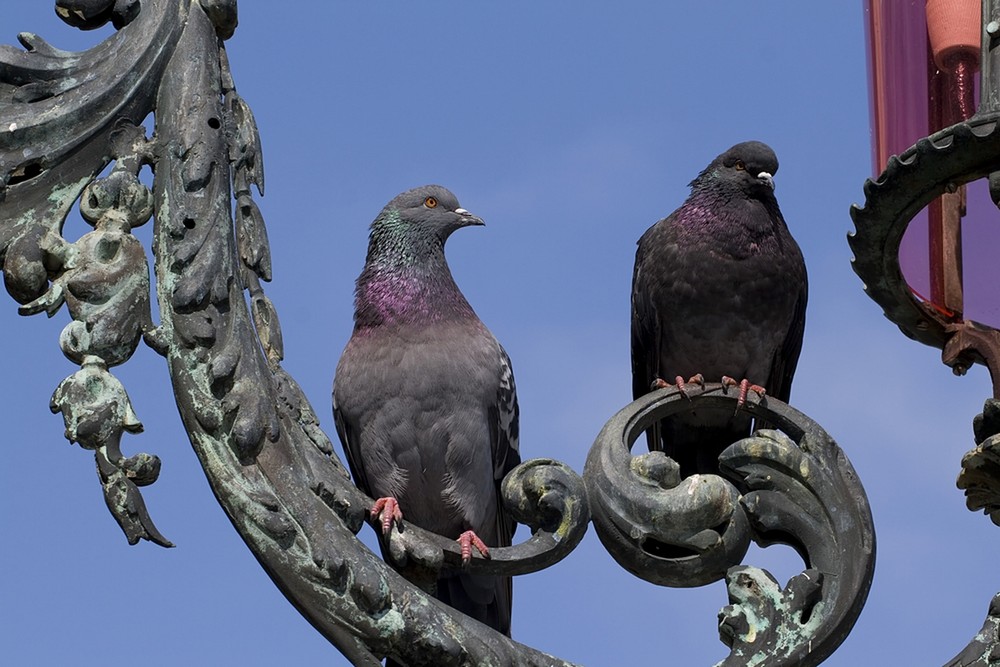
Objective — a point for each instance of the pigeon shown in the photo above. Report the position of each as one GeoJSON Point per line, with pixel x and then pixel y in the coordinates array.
{"type": "Point", "coordinates": [719, 292]}
{"type": "Point", "coordinates": [424, 398]}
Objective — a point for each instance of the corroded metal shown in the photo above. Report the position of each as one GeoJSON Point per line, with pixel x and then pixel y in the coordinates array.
{"type": "Point", "coordinates": [267, 460]}
{"type": "Point", "coordinates": [66, 117]}
{"type": "Point", "coordinates": [984, 649]}
{"type": "Point", "coordinates": [791, 484]}
{"type": "Point", "coordinates": [980, 475]}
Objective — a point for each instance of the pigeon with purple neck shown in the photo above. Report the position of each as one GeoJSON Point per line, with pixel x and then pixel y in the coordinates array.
{"type": "Point", "coordinates": [719, 293]}
{"type": "Point", "coordinates": [424, 397]}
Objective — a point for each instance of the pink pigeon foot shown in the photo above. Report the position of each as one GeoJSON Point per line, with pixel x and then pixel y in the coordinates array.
{"type": "Point", "coordinates": [387, 509]}
{"type": "Point", "coordinates": [745, 387]}
{"type": "Point", "coordinates": [469, 539]}
{"type": "Point", "coordinates": [679, 382]}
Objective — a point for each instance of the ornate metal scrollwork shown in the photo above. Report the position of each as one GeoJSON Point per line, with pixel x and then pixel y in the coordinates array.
{"type": "Point", "coordinates": [68, 118]}
{"type": "Point", "coordinates": [954, 156]}
{"type": "Point", "coordinates": [268, 462]}
{"type": "Point", "coordinates": [980, 475]}
{"type": "Point", "coordinates": [939, 163]}
{"type": "Point", "coordinates": [980, 479]}
{"type": "Point", "coordinates": [793, 485]}
{"type": "Point", "coordinates": [984, 649]}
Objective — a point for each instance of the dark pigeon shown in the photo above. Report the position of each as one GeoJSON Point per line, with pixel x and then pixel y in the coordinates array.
{"type": "Point", "coordinates": [424, 396]}
{"type": "Point", "coordinates": [719, 290]}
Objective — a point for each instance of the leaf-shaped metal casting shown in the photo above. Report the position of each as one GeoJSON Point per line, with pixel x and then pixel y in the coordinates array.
{"type": "Point", "coordinates": [65, 116]}
{"type": "Point", "coordinates": [980, 475]}
{"type": "Point", "coordinates": [798, 488]}
{"type": "Point", "coordinates": [58, 113]}
{"type": "Point", "coordinates": [980, 479]}
{"type": "Point", "coordinates": [258, 439]}
{"type": "Point", "coordinates": [103, 278]}
{"type": "Point", "coordinates": [792, 486]}
{"type": "Point", "coordinates": [267, 460]}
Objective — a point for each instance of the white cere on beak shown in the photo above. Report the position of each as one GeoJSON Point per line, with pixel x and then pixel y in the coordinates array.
{"type": "Point", "coordinates": [461, 211]}
{"type": "Point", "coordinates": [767, 178]}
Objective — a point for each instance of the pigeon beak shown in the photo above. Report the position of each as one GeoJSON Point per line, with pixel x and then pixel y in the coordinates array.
{"type": "Point", "coordinates": [468, 219]}
{"type": "Point", "coordinates": [767, 178]}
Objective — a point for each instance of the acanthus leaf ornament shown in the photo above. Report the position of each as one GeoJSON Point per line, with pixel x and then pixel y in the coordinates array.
{"type": "Point", "coordinates": [269, 463]}
{"type": "Point", "coordinates": [792, 485]}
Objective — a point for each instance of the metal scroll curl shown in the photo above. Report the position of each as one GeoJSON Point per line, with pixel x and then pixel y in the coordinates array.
{"type": "Point", "coordinates": [791, 484]}
{"type": "Point", "coordinates": [269, 464]}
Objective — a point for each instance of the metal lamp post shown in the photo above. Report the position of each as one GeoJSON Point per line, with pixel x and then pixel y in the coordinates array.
{"type": "Point", "coordinates": [931, 145]}
{"type": "Point", "coordinates": [66, 118]}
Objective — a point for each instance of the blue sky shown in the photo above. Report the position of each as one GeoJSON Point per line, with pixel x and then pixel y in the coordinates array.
{"type": "Point", "coordinates": [570, 128]}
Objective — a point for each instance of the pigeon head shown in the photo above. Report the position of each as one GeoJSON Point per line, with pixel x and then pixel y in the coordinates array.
{"type": "Point", "coordinates": [416, 223]}
{"type": "Point", "coordinates": [750, 166]}
{"type": "Point", "coordinates": [406, 277]}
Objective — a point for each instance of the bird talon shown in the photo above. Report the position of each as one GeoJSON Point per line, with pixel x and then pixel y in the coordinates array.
{"type": "Point", "coordinates": [387, 509]}
{"type": "Point", "coordinates": [745, 388]}
{"type": "Point", "coordinates": [682, 386]}
{"type": "Point", "coordinates": [679, 383]}
{"type": "Point", "coordinates": [469, 539]}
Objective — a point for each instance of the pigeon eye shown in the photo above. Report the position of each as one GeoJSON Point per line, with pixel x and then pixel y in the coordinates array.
{"type": "Point", "coordinates": [740, 166]}
{"type": "Point", "coordinates": [430, 202]}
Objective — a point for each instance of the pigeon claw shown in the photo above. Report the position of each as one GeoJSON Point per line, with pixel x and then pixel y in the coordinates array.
{"type": "Point", "coordinates": [698, 379]}
{"type": "Point", "coordinates": [680, 383]}
{"type": "Point", "coordinates": [745, 387]}
{"type": "Point", "coordinates": [469, 539]}
{"type": "Point", "coordinates": [387, 510]}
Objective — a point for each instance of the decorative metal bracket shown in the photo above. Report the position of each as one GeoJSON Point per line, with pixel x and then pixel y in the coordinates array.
{"type": "Point", "coordinates": [938, 164]}
{"type": "Point", "coordinates": [793, 486]}
{"type": "Point", "coordinates": [268, 462]}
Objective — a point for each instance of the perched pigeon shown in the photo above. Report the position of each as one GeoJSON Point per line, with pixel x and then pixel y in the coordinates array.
{"type": "Point", "coordinates": [424, 396]}
{"type": "Point", "coordinates": [718, 293]}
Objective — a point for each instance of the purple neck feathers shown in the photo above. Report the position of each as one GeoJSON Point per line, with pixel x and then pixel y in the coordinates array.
{"type": "Point", "coordinates": [410, 295]}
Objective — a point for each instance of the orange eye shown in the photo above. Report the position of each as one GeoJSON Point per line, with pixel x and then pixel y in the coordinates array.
{"type": "Point", "coordinates": [430, 202]}
{"type": "Point", "coordinates": [740, 166]}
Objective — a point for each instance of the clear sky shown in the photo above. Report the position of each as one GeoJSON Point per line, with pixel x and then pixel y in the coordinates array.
{"type": "Point", "coordinates": [570, 128]}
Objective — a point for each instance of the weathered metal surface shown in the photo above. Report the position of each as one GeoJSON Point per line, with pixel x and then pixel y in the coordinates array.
{"type": "Point", "coordinates": [984, 649]}
{"type": "Point", "coordinates": [267, 460]}
{"type": "Point", "coordinates": [792, 486]}
{"type": "Point", "coordinates": [66, 117]}
{"type": "Point", "coordinates": [980, 475]}
{"type": "Point", "coordinates": [951, 157]}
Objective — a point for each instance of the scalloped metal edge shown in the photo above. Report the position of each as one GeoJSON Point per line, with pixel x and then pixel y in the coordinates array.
{"type": "Point", "coordinates": [954, 156]}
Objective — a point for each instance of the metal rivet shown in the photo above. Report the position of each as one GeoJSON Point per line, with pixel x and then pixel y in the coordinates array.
{"type": "Point", "coordinates": [993, 27]}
